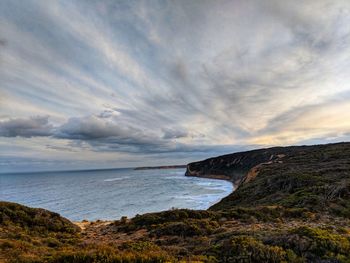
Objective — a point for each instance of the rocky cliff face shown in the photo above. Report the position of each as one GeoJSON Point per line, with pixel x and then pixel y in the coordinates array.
{"type": "Point", "coordinates": [234, 167]}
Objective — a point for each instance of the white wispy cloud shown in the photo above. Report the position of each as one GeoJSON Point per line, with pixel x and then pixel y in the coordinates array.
{"type": "Point", "coordinates": [177, 79]}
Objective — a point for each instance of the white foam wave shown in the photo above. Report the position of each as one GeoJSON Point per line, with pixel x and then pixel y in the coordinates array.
{"type": "Point", "coordinates": [116, 179]}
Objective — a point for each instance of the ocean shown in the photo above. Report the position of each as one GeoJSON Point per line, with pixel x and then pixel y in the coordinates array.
{"type": "Point", "coordinates": [111, 194]}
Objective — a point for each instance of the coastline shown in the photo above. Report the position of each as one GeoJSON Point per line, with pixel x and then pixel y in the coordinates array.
{"type": "Point", "coordinates": [92, 228]}
{"type": "Point", "coordinates": [224, 177]}
{"type": "Point", "coordinates": [83, 224]}
{"type": "Point", "coordinates": [152, 191]}
{"type": "Point", "coordinates": [218, 177]}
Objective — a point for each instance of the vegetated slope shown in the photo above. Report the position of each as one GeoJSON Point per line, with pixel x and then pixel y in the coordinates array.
{"type": "Point", "coordinates": [29, 233]}
{"type": "Point", "coordinates": [291, 205]}
{"type": "Point", "coordinates": [314, 177]}
{"type": "Point", "coordinates": [262, 234]}
{"type": "Point", "coordinates": [39, 220]}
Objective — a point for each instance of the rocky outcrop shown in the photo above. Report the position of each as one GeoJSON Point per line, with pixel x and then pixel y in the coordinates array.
{"type": "Point", "coordinates": [234, 167]}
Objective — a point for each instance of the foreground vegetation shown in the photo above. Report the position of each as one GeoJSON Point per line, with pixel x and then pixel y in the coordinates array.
{"type": "Point", "coordinates": [291, 207]}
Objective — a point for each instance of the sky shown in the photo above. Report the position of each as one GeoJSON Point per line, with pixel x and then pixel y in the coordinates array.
{"type": "Point", "coordinates": [108, 83]}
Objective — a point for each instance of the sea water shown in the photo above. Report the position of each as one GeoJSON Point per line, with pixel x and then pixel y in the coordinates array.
{"type": "Point", "coordinates": [110, 194]}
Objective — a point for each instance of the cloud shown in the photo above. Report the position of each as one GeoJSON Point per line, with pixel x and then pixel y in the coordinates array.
{"type": "Point", "coordinates": [104, 134]}
{"type": "Point", "coordinates": [171, 78]}
{"type": "Point", "coordinates": [21, 127]}
{"type": "Point", "coordinates": [90, 128]}
{"type": "Point", "coordinates": [109, 134]}
{"type": "Point", "coordinates": [174, 134]}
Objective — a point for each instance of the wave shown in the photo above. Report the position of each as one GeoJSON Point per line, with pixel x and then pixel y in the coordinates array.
{"type": "Point", "coordinates": [116, 179]}
{"type": "Point", "coordinates": [176, 177]}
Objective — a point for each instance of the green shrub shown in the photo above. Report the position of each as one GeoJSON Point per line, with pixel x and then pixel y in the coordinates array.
{"type": "Point", "coordinates": [321, 242]}
{"type": "Point", "coordinates": [249, 249]}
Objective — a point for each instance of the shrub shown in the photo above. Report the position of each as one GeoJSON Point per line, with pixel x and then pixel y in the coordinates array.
{"type": "Point", "coordinates": [321, 242]}
{"type": "Point", "coordinates": [249, 249]}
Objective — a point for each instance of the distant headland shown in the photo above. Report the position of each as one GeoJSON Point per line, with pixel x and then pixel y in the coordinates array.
{"type": "Point", "coordinates": [161, 167]}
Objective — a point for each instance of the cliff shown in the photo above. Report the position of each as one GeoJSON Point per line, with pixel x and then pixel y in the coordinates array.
{"type": "Point", "coordinates": [316, 177]}
{"type": "Point", "coordinates": [235, 166]}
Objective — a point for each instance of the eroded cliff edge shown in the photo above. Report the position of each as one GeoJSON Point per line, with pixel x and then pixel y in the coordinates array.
{"type": "Point", "coordinates": [234, 167]}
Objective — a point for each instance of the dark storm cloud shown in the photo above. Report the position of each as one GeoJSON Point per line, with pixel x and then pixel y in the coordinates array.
{"type": "Point", "coordinates": [104, 135]}
{"type": "Point", "coordinates": [32, 127]}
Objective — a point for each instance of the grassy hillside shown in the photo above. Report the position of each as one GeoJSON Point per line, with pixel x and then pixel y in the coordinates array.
{"type": "Point", "coordinates": [291, 205]}
{"type": "Point", "coordinates": [37, 235]}
{"type": "Point", "coordinates": [313, 177]}
{"type": "Point", "coordinates": [27, 234]}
